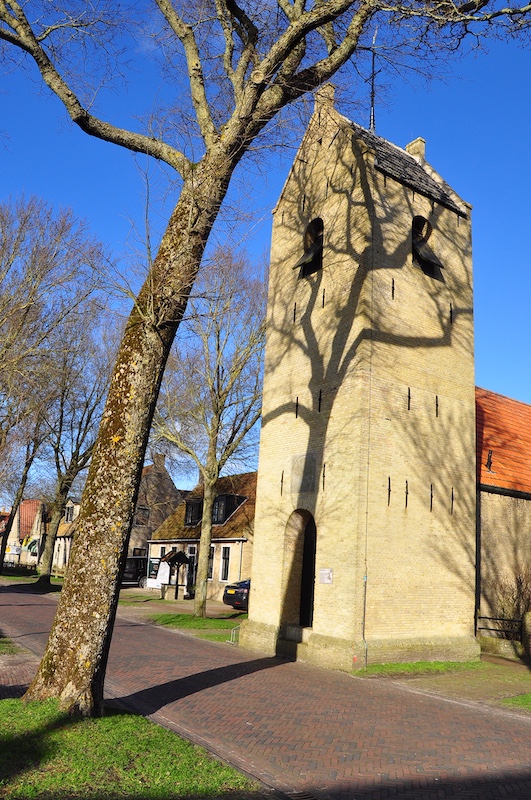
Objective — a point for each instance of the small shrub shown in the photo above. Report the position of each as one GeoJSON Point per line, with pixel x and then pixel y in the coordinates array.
{"type": "Point", "coordinates": [511, 596]}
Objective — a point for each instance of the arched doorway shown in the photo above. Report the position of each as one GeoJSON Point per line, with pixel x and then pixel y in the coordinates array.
{"type": "Point", "coordinates": [299, 569]}
{"type": "Point", "coordinates": [308, 574]}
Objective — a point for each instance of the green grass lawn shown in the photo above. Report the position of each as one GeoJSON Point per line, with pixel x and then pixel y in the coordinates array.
{"type": "Point", "coordinates": [198, 623]}
{"type": "Point", "coordinates": [7, 647]}
{"type": "Point", "coordinates": [520, 701]}
{"type": "Point", "coordinates": [215, 637]}
{"type": "Point", "coordinates": [46, 754]}
{"type": "Point", "coordinates": [418, 668]}
{"type": "Point", "coordinates": [13, 577]}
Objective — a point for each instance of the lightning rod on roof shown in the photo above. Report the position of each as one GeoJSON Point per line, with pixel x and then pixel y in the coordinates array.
{"type": "Point", "coordinates": [372, 125]}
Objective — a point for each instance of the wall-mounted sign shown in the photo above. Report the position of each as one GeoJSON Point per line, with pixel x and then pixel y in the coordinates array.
{"type": "Point", "coordinates": [326, 575]}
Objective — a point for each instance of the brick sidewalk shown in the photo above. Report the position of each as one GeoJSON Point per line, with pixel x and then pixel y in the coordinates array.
{"type": "Point", "coordinates": [300, 729]}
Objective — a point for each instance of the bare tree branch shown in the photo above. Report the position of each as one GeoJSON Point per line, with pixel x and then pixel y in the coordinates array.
{"type": "Point", "coordinates": [195, 71]}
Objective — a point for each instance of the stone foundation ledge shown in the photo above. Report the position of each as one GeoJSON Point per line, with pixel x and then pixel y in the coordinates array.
{"type": "Point", "coordinates": [429, 648]}
{"type": "Point", "coordinates": [501, 647]}
{"type": "Point", "coordinates": [259, 637]}
{"type": "Point", "coordinates": [347, 655]}
{"type": "Point", "coordinates": [312, 648]}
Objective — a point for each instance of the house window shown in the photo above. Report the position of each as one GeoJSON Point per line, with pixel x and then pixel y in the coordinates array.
{"type": "Point", "coordinates": [162, 551]}
{"type": "Point", "coordinates": [423, 255]}
{"type": "Point", "coordinates": [191, 569]}
{"type": "Point", "coordinates": [142, 515]}
{"type": "Point", "coordinates": [69, 514]}
{"type": "Point", "coordinates": [218, 510]}
{"type": "Point", "coordinates": [312, 259]}
{"type": "Point", "coordinates": [225, 558]}
{"type": "Point", "coordinates": [139, 551]}
{"type": "Point", "coordinates": [224, 506]}
{"type": "Point", "coordinates": [194, 512]}
{"type": "Point", "coordinates": [211, 562]}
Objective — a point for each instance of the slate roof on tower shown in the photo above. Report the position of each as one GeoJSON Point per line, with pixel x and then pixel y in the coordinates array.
{"type": "Point", "coordinates": [403, 167]}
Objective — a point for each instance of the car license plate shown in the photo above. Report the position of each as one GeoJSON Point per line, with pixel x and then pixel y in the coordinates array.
{"type": "Point", "coordinates": [231, 591]}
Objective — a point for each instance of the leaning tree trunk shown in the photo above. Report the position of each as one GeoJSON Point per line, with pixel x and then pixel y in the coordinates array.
{"type": "Point", "coordinates": [74, 663]}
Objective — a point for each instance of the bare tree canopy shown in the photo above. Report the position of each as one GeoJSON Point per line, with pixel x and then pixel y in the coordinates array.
{"type": "Point", "coordinates": [231, 68]}
{"type": "Point", "coordinates": [80, 372]}
{"type": "Point", "coordinates": [49, 266]}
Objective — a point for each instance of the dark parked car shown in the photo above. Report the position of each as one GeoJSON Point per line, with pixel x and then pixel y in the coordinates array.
{"type": "Point", "coordinates": [237, 595]}
{"type": "Point", "coordinates": [135, 571]}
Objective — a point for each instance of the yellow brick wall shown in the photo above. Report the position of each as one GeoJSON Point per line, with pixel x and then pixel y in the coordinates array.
{"type": "Point", "coordinates": [505, 549]}
{"type": "Point", "coordinates": [369, 384]}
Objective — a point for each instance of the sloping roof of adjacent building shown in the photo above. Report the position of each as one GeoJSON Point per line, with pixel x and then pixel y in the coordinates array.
{"type": "Point", "coordinates": [503, 442]}
{"type": "Point", "coordinates": [28, 510]}
{"type": "Point", "coordinates": [67, 528]}
{"type": "Point", "coordinates": [403, 167]}
{"type": "Point", "coordinates": [238, 525]}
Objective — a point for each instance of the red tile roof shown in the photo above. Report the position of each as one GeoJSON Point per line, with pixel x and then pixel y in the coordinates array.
{"type": "Point", "coordinates": [503, 441]}
{"type": "Point", "coordinates": [27, 512]}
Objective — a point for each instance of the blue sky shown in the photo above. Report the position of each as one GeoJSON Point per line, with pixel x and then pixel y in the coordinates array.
{"type": "Point", "coordinates": [477, 125]}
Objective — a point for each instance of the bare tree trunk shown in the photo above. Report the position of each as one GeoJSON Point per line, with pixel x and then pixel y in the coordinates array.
{"type": "Point", "coordinates": [46, 562]}
{"type": "Point", "coordinates": [201, 580]}
{"type": "Point", "coordinates": [73, 666]}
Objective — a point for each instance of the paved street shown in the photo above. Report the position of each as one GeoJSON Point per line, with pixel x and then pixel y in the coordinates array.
{"type": "Point", "coordinates": [299, 729]}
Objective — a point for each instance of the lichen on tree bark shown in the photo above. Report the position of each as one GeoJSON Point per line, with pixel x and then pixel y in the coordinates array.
{"type": "Point", "coordinates": [74, 663]}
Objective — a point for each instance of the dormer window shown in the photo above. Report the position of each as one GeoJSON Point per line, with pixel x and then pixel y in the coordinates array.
{"type": "Point", "coordinates": [224, 506]}
{"type": "Point", "coordinates": [312, 259]}
{"type": "Point", "coordinates": [423, 255]}
{"type": "Point", "coordinates": [193, 512]}
{"type": "Point", "coordinates": [218, 510]}
{"type": "Point", "coordinates": [69, 514]}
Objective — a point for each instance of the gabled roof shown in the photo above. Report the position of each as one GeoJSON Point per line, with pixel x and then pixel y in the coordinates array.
{"type": "Point", "coordinates": [27, 510]}
{"type": "Point", "coordinates": [238, 525]}
{"type": "Point", "coordinates": [403, 167]}
{"type": "Point", "coordinates": [503, 442]}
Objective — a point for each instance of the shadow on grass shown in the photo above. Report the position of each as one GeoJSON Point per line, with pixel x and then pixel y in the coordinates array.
{"type": "Point", "coordinates": [26, 751]}
{"type": "Point", "coordinates": [32, 587]}
{"type": "Point", "coordinates": [12, 693]}
{"type": "Point", "coordinates": [39, 761]}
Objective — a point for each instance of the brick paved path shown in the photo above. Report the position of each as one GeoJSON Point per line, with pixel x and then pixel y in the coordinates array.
{"type": "Point", "coordinates": [299, 729]}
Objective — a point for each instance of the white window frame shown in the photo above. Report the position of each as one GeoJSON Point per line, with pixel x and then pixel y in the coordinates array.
{"type": "Point", "coordinates": [191, 550]}
{"type": "Point", "coordinates": [211, 560]}
{"type": "Point", "coordinates": [225, 548]}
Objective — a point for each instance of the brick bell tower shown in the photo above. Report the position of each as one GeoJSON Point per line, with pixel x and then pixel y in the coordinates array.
{"type": "Point", "coordinates": [364, 546]}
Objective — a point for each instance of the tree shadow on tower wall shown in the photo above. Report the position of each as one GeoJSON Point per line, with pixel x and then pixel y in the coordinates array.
{"type": "Point", "coordinates": [347, 342]}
